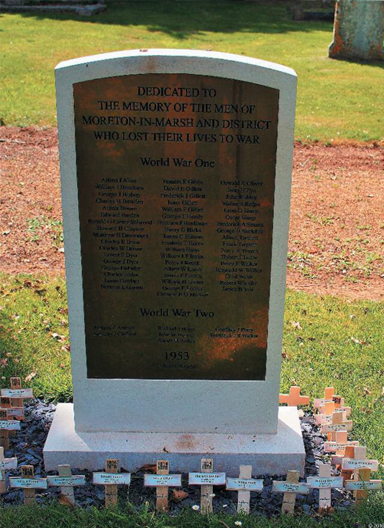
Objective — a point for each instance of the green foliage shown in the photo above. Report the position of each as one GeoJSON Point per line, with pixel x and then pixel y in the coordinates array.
{"type": "Point", "coordinates": [34, 335]}
{"type": "Point", "coordinates": [330, 342]}
{"type": "Point", "coordinates": [56, 516]}
{"type": "Point", "coordinates": [336, 99]}
{"type": "Point", "coordinates": [39, 224]}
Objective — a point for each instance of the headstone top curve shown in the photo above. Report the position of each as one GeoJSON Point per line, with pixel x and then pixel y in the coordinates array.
{"type": "Point", "coordinates": [176, 54]}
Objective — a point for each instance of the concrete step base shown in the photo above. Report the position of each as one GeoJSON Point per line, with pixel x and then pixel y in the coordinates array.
{"type": "Point", "coordinates": [272, 454]}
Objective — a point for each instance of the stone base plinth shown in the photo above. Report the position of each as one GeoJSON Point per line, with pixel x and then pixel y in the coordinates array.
{"type": "Point", "coordinates": [268, 453]}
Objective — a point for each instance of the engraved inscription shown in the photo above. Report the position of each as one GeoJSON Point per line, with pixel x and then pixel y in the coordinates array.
{"type": "Point", "coordinates": [176, 179]}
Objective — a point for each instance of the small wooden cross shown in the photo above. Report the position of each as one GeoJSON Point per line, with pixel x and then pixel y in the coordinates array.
{"type": "Point", "coordinates": [162, 481]}
{"type": "Point", "coordinates": [338, 423]}
{"type": "Point", "coordinates": [28, 483]}
{"type": "Point", "coordinates": [13, 412]}
{"type": "Point", "coordinates": [338, 401]}
{"type": "Point", "coordinates": [344, 409]}
{"type": "Point", "coordinates": [162, 468]}
{"type": "Point", "coordinates": [7, 425]}
{"type": "Point", "coordinates": [5, 463]}
{"type": "Point", "coordinates": [111, 466]}
{"type": "Point", "coordinates": [4, 432]}
{"type": "Point", "coordinates": [206, 479]}
{"type": "Point", "coordinates": [340, 444]}
{"type": "Point", "coordinates": [363, 485]}
{"type": "Point", "coordinates": [354, 463]}
{"type": "Point", "coordinates": [361, 468]}
{"type": "Point", "coordinates": [329, 396]}
{"type": "Point", "coordinates": [290, 488]}
{"type": "Point", "coordinates": [355, 459]}
{"type": "Point", "coordinates": [17, 393]}
{"type": "Point", "coordinates": [110, 480]}
{"type": "Point", "coordinates": [324, 483]}
{"type": "Point", "coordinates": [294, 398]}
{"type": "Point", "coordinates": [326, 412]}
{"type": "Point", "coordinates": [66, 481]}
{"type": "Point", "coordinates": [244, 485]}
{"type": "Point", "coordinates": [337, 460]}
{"type": "Point", "coordinates": [345, 448]}
{"type": "Point", "coordinates": [328, 393]}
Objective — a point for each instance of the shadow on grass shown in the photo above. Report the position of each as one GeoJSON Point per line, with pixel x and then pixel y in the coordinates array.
{"type": "Point", "coordinates": [182, 19]}
{"type": "Point", "coordinates": [374, 63]}
{"type": "Point", "coordinates": [33, 331]}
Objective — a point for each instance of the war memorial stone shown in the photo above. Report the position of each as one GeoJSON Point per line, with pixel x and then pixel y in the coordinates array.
{"type": "Point", "coordinates": [176, 174]}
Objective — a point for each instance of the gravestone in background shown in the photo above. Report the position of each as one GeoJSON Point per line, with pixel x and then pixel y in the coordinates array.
{"type": "Point", "coordinates": [176, 171]}
{"type": "Point", "coordinates": [358, 30]}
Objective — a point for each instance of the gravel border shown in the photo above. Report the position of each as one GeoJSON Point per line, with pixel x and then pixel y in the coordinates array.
{"type": "Point", "coordinates": [27, 445]}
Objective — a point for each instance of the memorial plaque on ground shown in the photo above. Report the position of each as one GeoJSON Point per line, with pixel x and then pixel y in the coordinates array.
{"type": "Point", "coordinates": [175, 170]}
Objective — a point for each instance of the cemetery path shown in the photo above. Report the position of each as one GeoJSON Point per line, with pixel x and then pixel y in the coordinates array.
{"type": "Point", "coordinates": [336, 243]}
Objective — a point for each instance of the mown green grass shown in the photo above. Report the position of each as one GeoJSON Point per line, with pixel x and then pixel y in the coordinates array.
{"type": "Point", "coordinates": [327, 342]}
{"type": "Point", "coordinates": [336, 99]}
{"type": "Point", "coordinates": [339, 344]}
{"type": "Point", "coordinates": [56, 516]}
{"type": "Point", "coordinates": [34, 335]}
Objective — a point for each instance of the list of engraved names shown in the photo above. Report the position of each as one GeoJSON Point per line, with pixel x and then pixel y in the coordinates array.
{"type": "Point", "coordinates": [176, 187]}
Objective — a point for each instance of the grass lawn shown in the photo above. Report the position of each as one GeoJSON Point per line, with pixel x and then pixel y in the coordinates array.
{"type": "Point", "coordinates": [56, 516]}
{"type": "Point", "coordinates": [327, 341]}
{"type": "Point", "coordinates": [336, 99]}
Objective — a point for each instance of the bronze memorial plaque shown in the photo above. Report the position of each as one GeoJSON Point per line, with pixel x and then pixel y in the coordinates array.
{"type": "Point", "coordinates": [176, 178]}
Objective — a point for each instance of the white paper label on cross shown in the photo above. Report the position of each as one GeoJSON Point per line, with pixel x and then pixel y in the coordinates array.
{"type": "Point", "coordinates": [325, 482]}
{"type": "Point", "coordinates": [33, 483]}
{"type": "Point", "coordinates": [328, 428]}
{"type": "Point", "coordinates": [75, 480]}
{"type": "Point", "coordinates": [238, 484]}
{"type": "Point", "coordinates": [347, 410]}
{"type": "Point", "coordinates": [330, 447]}
{"type": "Point", "coordinates": [112, 478]}
{"type": "Point", "coordinates": [321, 419]}
{"type": "Point", "coordinates": [10, 425]}
{"type": "Point", "coordinates": [319, 402]}
{"type": "Point", "coordinates": [291, 487]}
{"type": "Point", "coordinates": [357, 485]}
{"type": "Point", "coordinates": [17, 393]}
{"type": "Point", "coordinates": [213, 479]}
{"type": "Point", "coordinates": [8, 463]}
{"type": "Point", "coordinates": [153, 481]}
{"type": "Point", "coordinates": [353, 464]}
{"type": "Point", "coordinates": [4, 464]}
{"type": "Point", "coordinates": [16, 412]}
